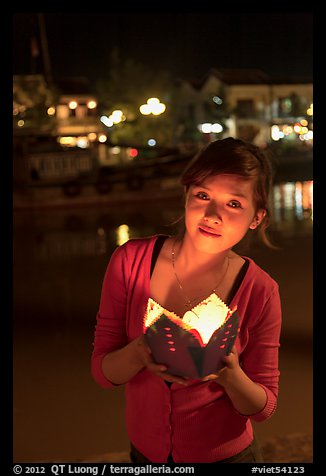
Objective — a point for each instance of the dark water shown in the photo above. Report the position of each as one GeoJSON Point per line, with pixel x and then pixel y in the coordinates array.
{"type": "Point", "coordinates": [60, 256]}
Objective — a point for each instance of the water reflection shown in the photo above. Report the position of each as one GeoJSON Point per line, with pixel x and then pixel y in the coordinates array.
{"type": "Point", "coordinates": [69, 244]}
{"type": "Point", "coordinates": [293, 206]}
{"type": "Point", "coordinates": [62, 234]}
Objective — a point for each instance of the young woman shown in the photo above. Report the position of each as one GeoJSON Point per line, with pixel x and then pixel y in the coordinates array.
{"type": "Point", "coordinates": [186, 420]}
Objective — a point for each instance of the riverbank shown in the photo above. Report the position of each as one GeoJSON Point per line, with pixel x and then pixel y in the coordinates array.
{"type": "Point", "coordinates": [54, 197]}
{"type": "Point", "coordinates": [41, 195]}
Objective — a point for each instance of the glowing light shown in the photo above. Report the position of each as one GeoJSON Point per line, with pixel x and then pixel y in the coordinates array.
{"type": "Point", "coordinates": [67, 140]}
{"type": "Point", "coordinates": [275, 133]}
{"type": "Point", "coordinates": [91, 104]}
{"type": "Point", "coordinates": [133, 152]}
{"type": "Point", "coordinates": [217, 100]}
{"type": "Point", "coordinates": [21, 123]}
{"type": "Point", "coordinates": [151, 142]}
{"type": "Point", "coordinates": [208, 127]}
{"type": "Point", "coordinates": [298, 199]}
{"type": "Point", "coordinates": [287, 130]}
{"type": "Point", "coordinates": [114, 118]}
{"type": "Point", "coordinates": [72, 104]}
{"type": "Point", "coordinates": [205, 318]}
{"type": "Point", "coordinates": [208, 318]}
{"type": "Point", "coordinates": [216, 127]}
{"type": "Point", "coordinates": [145, 109]}
{"type": "Point", "coordinates": [153, 101]}
{"type": "Point", "coordinates": [158, 108]}
{"type": "Point", "coordinates": [310, 110]}
{"type": "Point", "coordinates": [82, 142]}
{"type": "Point", "coordinates": [106, 121]}
{"type": "Point", "coordinates": [91, 136]}
{"type": "Point", "coordinates": [307, 195]}
{"type": "Point", "coordinates": [288, 190]}
{"type": "Point", "coordinates": [311, 193]}
{"type": "Point", "coordinates": [102, 138]}
{"type": "Point", "coordinates": [122, 234]}
{"type": "Point", "coordinates": [153, 106]}
{"type": "Point", "coordinates": [51, 111]}
{"type": "Point", "coordinates": [117, 116]}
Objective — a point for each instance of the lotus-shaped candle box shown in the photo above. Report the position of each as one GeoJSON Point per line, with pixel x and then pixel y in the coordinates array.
{"type": "Point", "coordinates": [196, 344]}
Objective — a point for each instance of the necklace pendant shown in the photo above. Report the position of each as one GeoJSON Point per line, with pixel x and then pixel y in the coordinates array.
{"type": "Point", "coordinates": [189, 302]}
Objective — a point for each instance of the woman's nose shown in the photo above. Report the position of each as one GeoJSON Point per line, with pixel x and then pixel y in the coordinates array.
{"type": "Point", "coordinates": [212, 213]}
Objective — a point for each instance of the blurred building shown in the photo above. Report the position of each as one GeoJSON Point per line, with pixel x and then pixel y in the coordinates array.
{"type": "Point", "coordinates": [55, 127]}
{"type": "Point", "coordinates": [246, 103]}
{"type": "Point", "coordinates": [77, 109]}
{"type": "Point", "coordinates": [69, 109]}
{"type": "Point", "coordinates": [60, 137]}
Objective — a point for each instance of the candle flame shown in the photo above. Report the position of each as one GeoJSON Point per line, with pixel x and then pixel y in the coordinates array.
{"type": "Point", "coordinates": [205, 318]}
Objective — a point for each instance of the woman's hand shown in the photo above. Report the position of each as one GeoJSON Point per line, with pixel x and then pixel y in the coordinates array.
{"type": "Point", "coordinates": [143, 353]}
{"type": "Point", "coordinates": [229, 371]}
{"type": "Point", "coordinates": [246, 396]}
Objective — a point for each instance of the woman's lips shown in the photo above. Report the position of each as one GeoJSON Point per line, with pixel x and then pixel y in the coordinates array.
{"type": "Point", "coordinates": [206, 231]}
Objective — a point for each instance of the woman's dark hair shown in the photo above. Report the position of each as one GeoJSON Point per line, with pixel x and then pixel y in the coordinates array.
{"type": "Point", "coordinates": [235, 156]}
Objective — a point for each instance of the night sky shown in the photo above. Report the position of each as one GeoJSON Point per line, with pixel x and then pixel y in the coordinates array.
{"type": "Point", "coordinates": [187, 45]}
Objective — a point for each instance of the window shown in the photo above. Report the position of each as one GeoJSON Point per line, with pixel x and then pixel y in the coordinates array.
{"type": "Point", "coordinates": [284, 106]}
{"type": "Point", "coordinates": [245, 108]}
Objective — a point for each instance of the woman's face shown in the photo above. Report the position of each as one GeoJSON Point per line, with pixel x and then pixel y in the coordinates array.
{"type": "Point", "coordinates": [219, 212]}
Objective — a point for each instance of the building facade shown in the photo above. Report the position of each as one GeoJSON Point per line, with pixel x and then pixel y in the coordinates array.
{"type": "Point", "coordinates": [246, 103]}
{"type": "Point", "coordinates": [242, 103]}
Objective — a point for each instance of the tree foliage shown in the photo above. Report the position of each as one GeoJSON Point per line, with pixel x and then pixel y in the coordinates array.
{"type": "Point", "coordinates": [126, 87]}
{"type": "Point", "coordinates": [31, 99]}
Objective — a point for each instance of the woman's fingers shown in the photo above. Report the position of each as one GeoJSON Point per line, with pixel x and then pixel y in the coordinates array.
{"type": "Point", "coordinates": [160, 371]}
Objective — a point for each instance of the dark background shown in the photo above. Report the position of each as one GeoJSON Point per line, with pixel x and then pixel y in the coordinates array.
{"type": "Point", "coordinates": [186, 44]}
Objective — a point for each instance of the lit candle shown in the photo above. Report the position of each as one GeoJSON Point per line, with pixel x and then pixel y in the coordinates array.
{"type": "Point", "coordinates": [195, 345]}
{"type": "Point", "coordinates": [207, 317]}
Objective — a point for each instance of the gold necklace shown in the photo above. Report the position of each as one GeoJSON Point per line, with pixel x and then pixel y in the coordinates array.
{"type": "Point", "coordinates": [190, 301]}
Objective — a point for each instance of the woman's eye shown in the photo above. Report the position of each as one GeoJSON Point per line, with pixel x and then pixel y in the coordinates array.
{"type": "Point", "coordinates": [234, 204]}
{"type": "Point", "coordinates": [202, 196]}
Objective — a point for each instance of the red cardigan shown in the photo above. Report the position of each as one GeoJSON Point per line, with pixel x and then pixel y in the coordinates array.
{"type": "Point", "coordinates": [197, 423]}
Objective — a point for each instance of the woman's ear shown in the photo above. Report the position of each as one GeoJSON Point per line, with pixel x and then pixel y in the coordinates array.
{"type": "Point", "coordinates": [258, 218]}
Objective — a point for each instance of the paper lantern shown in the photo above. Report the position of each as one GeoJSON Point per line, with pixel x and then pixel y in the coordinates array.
{"type": "Point", "coordinates": [196, 345]}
